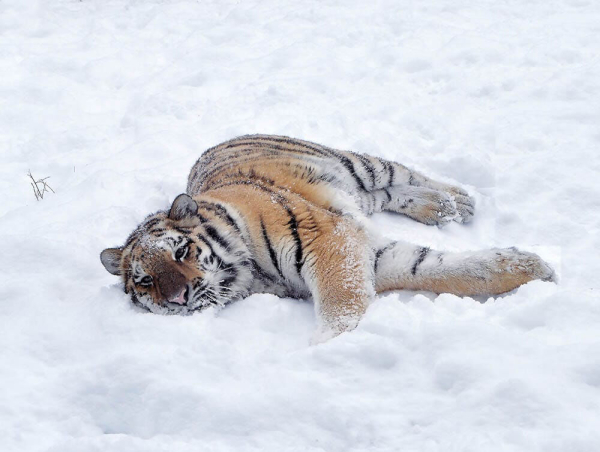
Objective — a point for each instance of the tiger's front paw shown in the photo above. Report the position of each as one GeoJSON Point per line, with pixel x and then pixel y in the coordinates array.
{"type": "Point", "coordinates": [465, 204]}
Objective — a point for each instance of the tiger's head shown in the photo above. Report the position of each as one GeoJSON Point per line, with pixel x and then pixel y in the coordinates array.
{"type": "Point", "coordinates": [178, 262]}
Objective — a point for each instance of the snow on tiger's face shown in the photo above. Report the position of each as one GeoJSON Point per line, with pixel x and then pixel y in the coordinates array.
{"type": "Point", "coordinates": [178, 262]}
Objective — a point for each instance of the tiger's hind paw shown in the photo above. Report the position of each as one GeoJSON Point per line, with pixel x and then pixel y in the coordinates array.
{"type": "Point", "coordinates": [430, 207]}
{"type": "Point", "coordinates": [465, 204]}
{"type": "Point", "coordinates": [465, 207]}
{"type": "Point", "coordinates": [523, 263]}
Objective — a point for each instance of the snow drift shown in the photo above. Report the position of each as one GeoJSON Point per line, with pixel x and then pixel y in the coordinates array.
{"type": "Point", "coordinates": [115, 100]}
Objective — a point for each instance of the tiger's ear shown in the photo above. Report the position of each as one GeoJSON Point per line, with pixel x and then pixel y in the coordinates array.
{"type": "Point", "coordinates": [111, 259]}
{"type": "Point", "coordinates": [183, 206]}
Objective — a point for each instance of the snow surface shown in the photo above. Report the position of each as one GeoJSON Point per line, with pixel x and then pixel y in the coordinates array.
{"type": "Point", "coordinates": [115, 100]}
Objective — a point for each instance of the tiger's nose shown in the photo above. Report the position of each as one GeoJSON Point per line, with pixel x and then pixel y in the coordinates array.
{"type": "Point", "coordinates": [181, 298]}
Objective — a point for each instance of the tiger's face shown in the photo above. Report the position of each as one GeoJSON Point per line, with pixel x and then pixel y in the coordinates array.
{"type": "Point", "coordinates": [177, 262]}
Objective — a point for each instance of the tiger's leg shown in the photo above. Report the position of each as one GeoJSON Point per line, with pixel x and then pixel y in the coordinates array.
{"type": "Point", "coordinates": [401, 265]}
{"type": "Point", "coordinates": [387, 185]}
{"type": "Point", "coordinates": [422, 204]}
{"type": "Point", "coordinates": [340, 276]}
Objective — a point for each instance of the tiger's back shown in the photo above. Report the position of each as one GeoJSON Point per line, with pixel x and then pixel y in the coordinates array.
{"type": "Point", "coordinates": [313, 171]}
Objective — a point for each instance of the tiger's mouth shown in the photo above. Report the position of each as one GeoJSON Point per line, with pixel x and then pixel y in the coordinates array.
{"type": "Point", "coordinates": [188, 301]}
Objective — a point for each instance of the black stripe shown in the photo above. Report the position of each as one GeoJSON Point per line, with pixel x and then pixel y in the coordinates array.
{"type": "Point", "coordinates": [227, 282]}
{"type": "Point", "coordinates": [350, 167]}
{"type": "Point", "coordinates": [272, 253]}
{"type": "Point", "coordinates": [388, 167]}
{"type": "Point", "coordinates": [132, 238]}
{"type": "Point", "coordinates": [293, 225]}
{"type": "Point", "coordinates": [367, 166]}
{"type": "Point", "coordinates": [284, 139]}
{"type": "Point", "coordinates": [208, 164]}
{"type": "Point", "coordinates": [266, 145]}
{"type": "Point", "coordinates": [377, 256]}
{"type": "Point", "coordinates": [252, 140]}
{"type": "Point", "coordinates": [128, 279]}
{"type": "Point", "coordinates": [202, 218]}
{"type": "Point", "coordinates": [211, 258]}
{"type": "Point", "coordinates": [207, 243]}
{"type": "Point", "coordinates": [422, 255]}
{"type": "Point", "coordinates": [151, 223]}
{"type": "Point", "coordinates": [389, 196]}
{"type": "Point", "coordinates": [380, 252]}
{"type": "Point", "coordinates": [138, 303]}
{"type": "Point", "coordinates": [314, 147]}
{"type": "Point", "coordinates": [386, 170]}
{"type": "Point", "coordinates": [260, 273]}
{"type": "Point", "coordinates": [220, 211]}
{"type": "Point", "coordinates": [329, 178]}
{"type": "Point", "coordinates": [213, 234]}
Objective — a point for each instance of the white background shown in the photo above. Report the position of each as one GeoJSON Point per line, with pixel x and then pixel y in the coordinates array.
{"type": "Point", "coordinates": [116, 99]}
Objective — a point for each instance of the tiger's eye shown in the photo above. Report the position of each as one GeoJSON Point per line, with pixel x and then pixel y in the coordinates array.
{"type": "Point", "coordinates": [181, 253]}
{"type": "Point", "coordinates": [146, 281]}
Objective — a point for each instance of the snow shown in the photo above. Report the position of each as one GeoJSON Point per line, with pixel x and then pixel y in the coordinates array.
{"type": "Point", "coordinates": [115, 100]}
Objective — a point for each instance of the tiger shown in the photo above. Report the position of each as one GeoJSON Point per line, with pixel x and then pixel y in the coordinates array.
{"type": "Point", "coordinates": [289, 217]}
